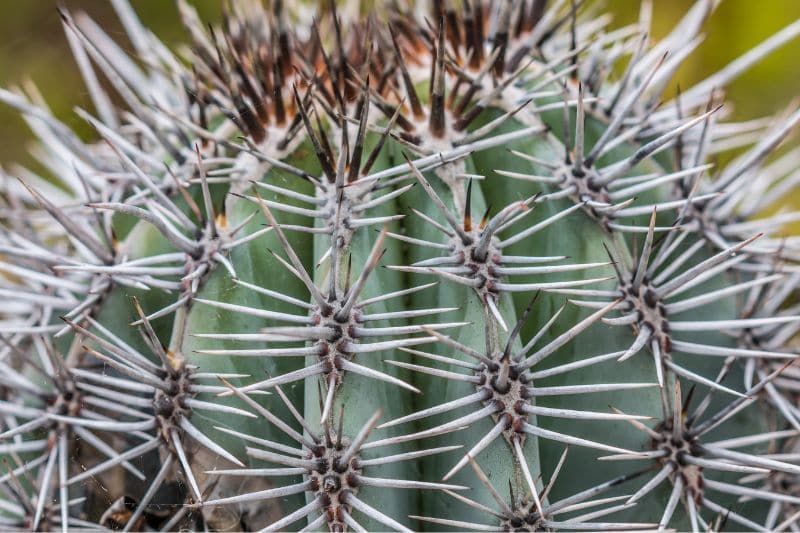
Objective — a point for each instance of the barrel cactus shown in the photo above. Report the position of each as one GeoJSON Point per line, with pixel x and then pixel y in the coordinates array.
{"type": "Point", "coordinates": [458, 266]}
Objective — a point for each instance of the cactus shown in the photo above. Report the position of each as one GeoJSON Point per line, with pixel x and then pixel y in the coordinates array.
{"type": "Point", "coordinates": [460, 266]}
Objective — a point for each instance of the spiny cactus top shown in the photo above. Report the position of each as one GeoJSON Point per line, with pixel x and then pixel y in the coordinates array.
{"type": "Point", "coordinates": [449, 266]}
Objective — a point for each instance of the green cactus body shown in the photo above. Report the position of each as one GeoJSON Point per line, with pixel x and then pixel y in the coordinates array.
{"type": "Point", "coordinates": [403, 272]}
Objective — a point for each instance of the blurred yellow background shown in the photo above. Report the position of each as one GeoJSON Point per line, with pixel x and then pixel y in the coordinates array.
{"type": "Point", "coordinates": [33, 46]}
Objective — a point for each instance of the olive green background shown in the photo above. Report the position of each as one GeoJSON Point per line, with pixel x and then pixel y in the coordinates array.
{"type": "Point", "coordinates": [33, 47]}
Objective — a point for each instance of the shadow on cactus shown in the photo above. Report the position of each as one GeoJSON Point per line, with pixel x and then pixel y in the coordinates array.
{"type": "Point", "coordinates": [459, 266]}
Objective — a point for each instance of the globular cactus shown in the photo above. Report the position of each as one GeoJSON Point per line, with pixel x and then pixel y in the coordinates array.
{"type": "Point", "coordinates": [450, 266]}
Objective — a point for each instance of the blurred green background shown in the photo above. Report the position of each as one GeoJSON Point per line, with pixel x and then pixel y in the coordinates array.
{"type": "Point", "coordinates": [33, 47]}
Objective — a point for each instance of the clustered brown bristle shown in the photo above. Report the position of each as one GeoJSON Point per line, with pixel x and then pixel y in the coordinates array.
{"type": "Point", "coordinates": [251, 68]}
{"type": "Point", "coordinates": [249, 71]}
{"type": "Point", "coordinates": [454, 49]}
